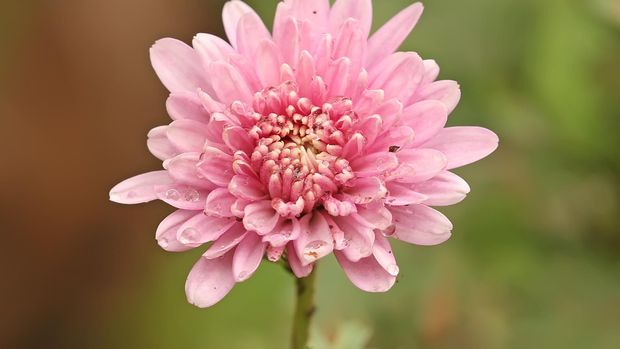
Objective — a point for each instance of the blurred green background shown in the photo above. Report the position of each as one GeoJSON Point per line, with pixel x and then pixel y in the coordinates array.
{"type": "Point", "coordinates": [534, 261]}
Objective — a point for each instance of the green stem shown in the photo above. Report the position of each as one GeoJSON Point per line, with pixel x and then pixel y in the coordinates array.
{"type": "Point", "coordinates": [304, 310]}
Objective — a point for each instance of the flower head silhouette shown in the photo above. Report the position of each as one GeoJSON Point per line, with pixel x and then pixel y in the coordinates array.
{"type": "Point", "coordinates": [313, 140]}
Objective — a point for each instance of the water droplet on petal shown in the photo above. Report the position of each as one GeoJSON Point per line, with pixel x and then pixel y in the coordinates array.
{"type": "Point", "coordinates": [243, 275]}
{"type": "Point", "coordinates": [173, 194]}
{"type": "Point", "coordinates": [163, 243]}
{"type": "Point", "coordinates": [188, 236]}
{"type": "Point", "coordinates": [131, 194]}
{"type": "Point", "coordinates": [192, 195]}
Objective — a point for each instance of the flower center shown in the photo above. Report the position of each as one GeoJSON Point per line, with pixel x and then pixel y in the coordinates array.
{"type": "Point", "coordinates": [299, 145]}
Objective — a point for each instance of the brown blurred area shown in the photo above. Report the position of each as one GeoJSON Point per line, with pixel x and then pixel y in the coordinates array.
{"type": "Point", "coordinates": [78, 95]}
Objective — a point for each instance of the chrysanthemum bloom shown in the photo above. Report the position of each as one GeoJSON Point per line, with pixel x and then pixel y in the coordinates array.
{"type": "Point", "coordinates": [309, 141]}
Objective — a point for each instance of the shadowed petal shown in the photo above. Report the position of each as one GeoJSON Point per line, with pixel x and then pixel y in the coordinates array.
{"type": "Point", "coordinates": [260, 217]}
{"type": "Point", "coordinates": [367, 274]}
{"type": "Point", "coordinates": [209, 281]}
{"type": "Point", "coordinates": [300, 270]}
{"type": "Point", "coordinates": [248, 256]}
{"type": "Point", "coordinates": [166, 234]}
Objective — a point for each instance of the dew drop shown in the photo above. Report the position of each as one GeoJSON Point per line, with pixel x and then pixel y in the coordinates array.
{"type": "Point", "coordinates": [131, 194]}
{"type": "Point", "coordinates": [188, 236]}
{"type": "Point", "coordinates": [243, 275]}
{"type": "Point", "coordinates": [163, 243]}
{"type": "Point", "coordinates": [192, 195]}
{"type": "Point", "coordinates": [173, 194]}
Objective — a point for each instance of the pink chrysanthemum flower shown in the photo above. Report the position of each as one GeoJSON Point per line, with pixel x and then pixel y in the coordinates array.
{"type": "Point", "coordinates": [311, 141]}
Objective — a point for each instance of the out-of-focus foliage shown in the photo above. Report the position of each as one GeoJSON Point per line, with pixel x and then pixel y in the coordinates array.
{"type": "Point", "coordinates": [534, 261]}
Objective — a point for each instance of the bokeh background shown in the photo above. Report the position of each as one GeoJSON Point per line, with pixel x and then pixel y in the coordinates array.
{"type": "Point", "coordinates": [534, 261]}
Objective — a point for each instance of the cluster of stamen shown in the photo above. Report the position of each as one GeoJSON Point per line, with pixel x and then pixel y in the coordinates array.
{"type": "Point", "coordinates": [299, 146]}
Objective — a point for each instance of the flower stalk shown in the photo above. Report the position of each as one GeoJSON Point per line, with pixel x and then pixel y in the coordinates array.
{"type": "Point", "coordinates": [304, 310]}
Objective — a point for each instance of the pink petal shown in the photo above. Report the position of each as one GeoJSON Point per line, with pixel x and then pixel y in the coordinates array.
{"type": "Point", "coordinates": [365, 190]}
{"type": "Point", "coordinates": [342, 10]}
{"type": "Point", "coordinates": [359, 237]}
{"type": "Point", "coordinates": [139, 189]}
{"type": "Point", "coordinates": [390, 111]}
{"type": "Point", "coordinates": [402, 195]}
{"type": "Point", "coordinates": [228, 83]}
{"type": "Point", "coordinates": [216, 166]}
{"type": "Point", "coordinates": [305, 73]}
{"type": "Point", "coordinates": [323, 54]}
{"type": "Point", "coordinates": [238, 207]}
{"type": "Point", "coordinates": [219, 203]}
{"type": "Point", "coordinates": [183, 169]}
{"type": "Point", "coordinates": [315, 240]}
{"type": "Point", "coordinates": [338, 76]}
{"type": "Point", "coordinates": [236, 138]}
{"type": "Point", "coordinates": [391, 35]}
{"type": "Point", "coordinates": [182, 196]}
{"type": "Point", "coordinates": [248, 256]}
{"type": "Point", "coordinates": [260, 217]}
{"type": "Point", "coordinates": [418, 165]}
{"type": "Point", "coordinates": [368, 101]}
{"type": "Point", "coordinates": [286, 230]}
{"type": "Point", "coordinates": [367, 274]}
{"type": "Point", "coordinates": [187, 135]}
{"type": "Point", "coordinates": [382, 251]}
{"type": "Point", "coordinates": [351, 43]}
{"type": "Point", "coordinates": [339, 206]}
{"type": "Point", "coordinates": [443, 190]}
{"type": "Point", "coordinates": [270, 61]}
{"type": "Point", "coordinates": [375, 216]}
{"type": "Point", "coordinates": [287, 36]}
{"type": "Point", "coordinates": [186, 106]}
{"type": "Point", "coordinates": [420, 225]}
{"type": "Point", "coordinates": [209, 281]}
{"type": "Point", "coordinates": [159, 145]}
{"type": "Point", "coordinates": [300, 270]}
{"type": "Point", "coordinates": [312, 17]}
{"type": "Point", "coordinates": [231, 15]}
{"type": "Point", "coordinates": [250, 32]}
{"type": "Point", "coordinates": [247, 188]}
{"type": "Point", "coordinates": [209, 103]}
{"type": "Point", "coordinates": [374, 164]}
{"type": "Point", "coordinates": [226, 242]}
{"type": "Point", "coordinates": [178, 66]}
{"type": "Point", "coordinates": [398, 76]}
{"type": "Point", "coordinates": [431, 71]}
{"type": "Point", "coordinates": [464, 145]}
{"type": "Point", "coordinates": [166, 234]}
{"type": "Point", "coordinates": [396, 137]}
{"type": "Point", "coordinates": [446, 91]}
{"type": "Point", "coordinates": [201, 229]}
{"type": "Point", "coordinates": [426, 118]}
{"type": "Point", "coordinates": [354, 146]}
